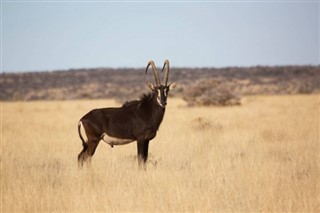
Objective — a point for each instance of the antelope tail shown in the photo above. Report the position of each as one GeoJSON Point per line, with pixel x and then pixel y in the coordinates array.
{"type": "Point", "coordinates": [84, 144]}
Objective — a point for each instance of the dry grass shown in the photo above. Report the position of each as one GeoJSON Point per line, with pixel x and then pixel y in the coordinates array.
{"type": "Point", "coordinates": [262, 156]}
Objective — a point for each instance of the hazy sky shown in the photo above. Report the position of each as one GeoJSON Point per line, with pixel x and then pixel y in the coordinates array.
{"type": "Point", "coordinates": [39, 36]}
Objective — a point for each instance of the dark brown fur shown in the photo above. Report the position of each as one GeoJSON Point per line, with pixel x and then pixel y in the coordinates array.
{"type": "Point", "coordinates": [138, 120]}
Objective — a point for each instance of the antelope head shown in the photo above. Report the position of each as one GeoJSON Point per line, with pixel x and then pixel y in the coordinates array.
{"type": "Point", "coordinates": [161, 90]}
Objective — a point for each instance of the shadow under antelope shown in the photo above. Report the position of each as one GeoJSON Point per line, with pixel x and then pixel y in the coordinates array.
{"type": "Point", "coordinates": [136, 120]}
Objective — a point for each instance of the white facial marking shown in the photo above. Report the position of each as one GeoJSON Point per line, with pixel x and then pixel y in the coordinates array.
{"type": "Point", "coordinates": [83, 132]}
{"type": "Point", "coordinates": [159, 98]}
{"type": "Point", "coordinates": [165, 92]}
{"type": "Point", "coordinates": [115, 141]}
{"type": "Point", "coordinates": [159, 102]}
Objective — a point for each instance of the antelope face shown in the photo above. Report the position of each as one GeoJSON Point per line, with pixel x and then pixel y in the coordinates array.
{"type": "Point", "coordinates": [162, 93]}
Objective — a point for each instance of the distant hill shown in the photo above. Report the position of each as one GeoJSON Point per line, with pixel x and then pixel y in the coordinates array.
{"type": "Point", "coordinates": [124, 84]}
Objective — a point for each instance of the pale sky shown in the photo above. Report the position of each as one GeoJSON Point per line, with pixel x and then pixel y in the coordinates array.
{"type": "Point", "coordinates": [52, 35]}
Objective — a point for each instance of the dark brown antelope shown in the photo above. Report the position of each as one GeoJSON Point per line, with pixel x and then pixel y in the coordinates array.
{"type": "Point", "coordinates": [137, 120]}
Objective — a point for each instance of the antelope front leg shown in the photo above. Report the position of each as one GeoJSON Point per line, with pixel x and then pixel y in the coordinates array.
{"type": "Point", "coordinates": [142, 146]}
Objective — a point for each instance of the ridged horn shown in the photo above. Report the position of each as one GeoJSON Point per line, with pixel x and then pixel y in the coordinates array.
{"type": "Point", "coordinates": [166, 71]}
{"type": "Point", "coordinates": [155, 72]}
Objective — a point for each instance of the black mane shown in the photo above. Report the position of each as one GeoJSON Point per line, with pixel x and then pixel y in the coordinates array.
{"type": "Point", "coordinates": [143, 99]}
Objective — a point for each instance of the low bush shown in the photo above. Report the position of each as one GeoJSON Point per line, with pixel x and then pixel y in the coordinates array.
{"type": "Point", "coordinates": [211, 92]}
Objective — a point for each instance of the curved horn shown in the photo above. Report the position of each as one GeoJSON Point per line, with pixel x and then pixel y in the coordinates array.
{"type": "Point", "coordinates": [155, 72]}
{"type": "Point", "coordinates": [166, 71]}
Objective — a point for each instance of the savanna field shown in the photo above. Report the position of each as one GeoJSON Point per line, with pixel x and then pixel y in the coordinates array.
{"type": "Point", "coordinates": [261, 156]}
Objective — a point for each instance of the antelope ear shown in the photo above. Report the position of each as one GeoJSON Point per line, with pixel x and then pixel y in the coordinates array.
{"type": "Point", "coordinates": [151, 86]}
{"type": "Point", "coordinates": [172, 85]}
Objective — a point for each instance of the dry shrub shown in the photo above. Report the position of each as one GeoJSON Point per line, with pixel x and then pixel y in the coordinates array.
{"type": "Point", "coordinates": [201, 123]}
{"type": "Point", "coordinates": [211, 92]}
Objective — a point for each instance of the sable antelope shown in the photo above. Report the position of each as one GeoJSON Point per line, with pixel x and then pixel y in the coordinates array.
{"type": "Point", "coordinates": [136, 120]}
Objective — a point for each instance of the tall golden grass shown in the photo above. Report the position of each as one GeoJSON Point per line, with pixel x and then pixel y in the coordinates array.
{"type": "Point", "coordinates": [262, 156]}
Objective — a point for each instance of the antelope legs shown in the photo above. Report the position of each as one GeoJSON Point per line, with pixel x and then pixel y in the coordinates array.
{"type": "Point", "coordinates": [87, 151]}
{"type": "Point", "coordinates": [142, 146]}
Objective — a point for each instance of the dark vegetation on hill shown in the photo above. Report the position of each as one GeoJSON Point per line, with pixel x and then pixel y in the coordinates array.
{"type": "Point", "coordinates": [198, 86]}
